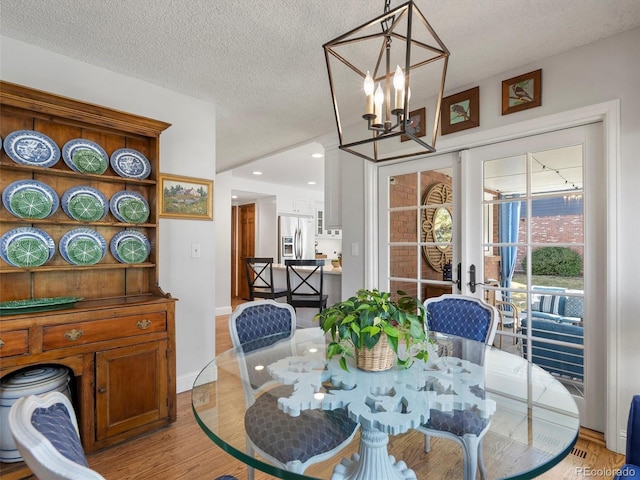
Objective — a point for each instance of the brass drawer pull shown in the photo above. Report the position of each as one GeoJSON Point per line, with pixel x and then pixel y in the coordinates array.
{"type": "Point", "coordinates": [73, 335]}
{"type": "Point", "coordinates": [143, 324]}
{"type": "Point", "coordinates": [1, 343]}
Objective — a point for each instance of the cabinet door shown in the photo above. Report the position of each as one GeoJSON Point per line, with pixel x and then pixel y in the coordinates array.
{"type": "Point", "coordinates": [131, 388]}
{"type": "Point", "coordinates": [294, 206]}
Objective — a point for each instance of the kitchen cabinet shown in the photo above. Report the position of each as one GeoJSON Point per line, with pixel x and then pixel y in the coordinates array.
{"type": "Point", "coordinates": [320, 230]}
{"type": "Point", "coordinates": [118, 339]}
{"type": "Point", "coordinates": [294, 206]}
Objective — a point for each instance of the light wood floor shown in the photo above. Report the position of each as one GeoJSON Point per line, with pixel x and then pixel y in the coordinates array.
{"type": "Point", "coordinates": [182, 451]}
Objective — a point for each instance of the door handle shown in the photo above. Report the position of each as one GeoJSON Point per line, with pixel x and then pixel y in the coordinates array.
{"type": "Point", "coordinates": [459, 279]}
{"type": "Point", "coordinates": [472, 278]}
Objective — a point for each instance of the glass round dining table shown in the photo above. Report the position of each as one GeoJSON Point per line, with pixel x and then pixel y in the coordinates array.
{"type": "Point", "coordinates": [533, 420]}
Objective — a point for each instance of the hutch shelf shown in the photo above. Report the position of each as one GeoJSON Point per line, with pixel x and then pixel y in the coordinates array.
{"type": "Point", "coordinates": [118, 342]}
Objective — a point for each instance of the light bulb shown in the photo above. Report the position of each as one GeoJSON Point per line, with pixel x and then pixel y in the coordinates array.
{"type": "Point", "coordinates": [368, 84]}
{"type": "Point", "coordinates": [398, 79]}
{"type": "Point", "coordinates": [379, 97]}
{"type": "Point", "coordinates": [378, 100]}
{"type": "Point", "coordinates": [398, 84]}
{"type": "Point", "coordinates": [368, 90]}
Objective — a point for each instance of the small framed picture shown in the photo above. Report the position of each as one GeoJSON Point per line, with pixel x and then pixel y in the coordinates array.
{"type": "Point", "coordinates": [415, 124]}
{"type": "Point", "coordinates": [522, 92]}
{"type": "Point", "coordinates": [460, 111]}
{"type": "Point", "coordinates": [186, 197]}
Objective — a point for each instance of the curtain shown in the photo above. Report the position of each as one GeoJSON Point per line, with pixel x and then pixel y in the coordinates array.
{"type": "Point", "coordinates": [509, 220]}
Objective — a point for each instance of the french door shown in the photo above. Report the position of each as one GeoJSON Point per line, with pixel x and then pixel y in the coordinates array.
{"type": "Point", "coordinates": [514, 221]}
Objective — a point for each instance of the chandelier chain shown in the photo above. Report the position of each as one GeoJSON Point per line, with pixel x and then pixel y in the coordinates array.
{"type": "Point", "coordinates": [386, 23]}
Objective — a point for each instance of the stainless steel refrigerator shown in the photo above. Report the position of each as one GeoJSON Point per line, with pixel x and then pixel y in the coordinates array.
{"type": "Point", "coordinates": [296, 238]}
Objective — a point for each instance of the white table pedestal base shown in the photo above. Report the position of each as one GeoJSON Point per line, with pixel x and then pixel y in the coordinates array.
{"type": "Point", "coordinates": [373, 461]}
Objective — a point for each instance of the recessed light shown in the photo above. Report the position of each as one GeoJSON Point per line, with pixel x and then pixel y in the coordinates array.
{"type": "Point", "coordinates": [317, 155]}
{"type": "Point", "coordinates": [234, 196]}
{"type": "Point", "coordinates": [311, 183]}
{"type": "Point", "coordinates": [257, 173]}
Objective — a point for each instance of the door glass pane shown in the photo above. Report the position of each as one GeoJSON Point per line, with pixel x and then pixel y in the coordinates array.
{"type": "Point", "coordinates": [420, 231]}
{"type": "Point", "coordinates": [533, 220]}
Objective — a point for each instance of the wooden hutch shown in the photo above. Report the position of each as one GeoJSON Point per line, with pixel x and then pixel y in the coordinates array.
{"type": "Point", "coordinates": [119, 341]}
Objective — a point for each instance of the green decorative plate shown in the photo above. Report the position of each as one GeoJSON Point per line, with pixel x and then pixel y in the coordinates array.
{"type": "Point", "coordinates": [31, 204]}
{"type": "Point", "coordinates": [133, 210]}
{"type": "Point", "coordinates": [85, 204]}
{"type": "Point", "coordinates": [84, 251]}
{"type": "Point", "coordinates": [27, 252]}
{"type": "Point", "coordinates": [30, 199]}
{"type": "Point", "coordinates": [86, 208]}
{"type": "Point", "coordinates": [132, 250]}
{"type": "Point", "coordinates": [14, 307]}
{"type": "Point", "coordinates": [89, 161]}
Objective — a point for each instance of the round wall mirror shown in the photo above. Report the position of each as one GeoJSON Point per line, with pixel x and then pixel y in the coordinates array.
{"type": "Point", "coordinates": [437, 225]}
{"type": "Point", "coordinates": [442, 224]}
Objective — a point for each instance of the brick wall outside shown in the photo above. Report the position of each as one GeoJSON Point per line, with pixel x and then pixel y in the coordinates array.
{"type": "Point", "coordinates": [404, 228]}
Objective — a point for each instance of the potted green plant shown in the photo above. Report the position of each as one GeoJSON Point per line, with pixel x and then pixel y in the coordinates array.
{"type": "Point", "coordinates": [369, 321]}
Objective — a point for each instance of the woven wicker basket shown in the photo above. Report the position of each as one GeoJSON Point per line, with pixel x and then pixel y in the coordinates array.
{"type": "Point", "coordinates": [379, 358]}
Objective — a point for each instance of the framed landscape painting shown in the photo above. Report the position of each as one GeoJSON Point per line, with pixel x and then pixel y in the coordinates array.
{"type": "Point", "coordinates": [522, 92]}
{"type": "Point", "coordinates": [186, 197]}
{"type": "Point", "coordinates": [460, 111]}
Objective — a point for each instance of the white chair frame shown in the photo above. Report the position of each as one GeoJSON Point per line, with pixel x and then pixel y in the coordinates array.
{"type": "Point", "coordinates": [37, 451]}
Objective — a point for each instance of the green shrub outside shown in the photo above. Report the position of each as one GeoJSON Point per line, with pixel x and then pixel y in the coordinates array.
{"type": "Point", "coordinates": [558, 261]}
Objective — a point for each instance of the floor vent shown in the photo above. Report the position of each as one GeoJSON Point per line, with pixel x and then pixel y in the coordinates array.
{"type": "Point", "coordinates": [576, 452]}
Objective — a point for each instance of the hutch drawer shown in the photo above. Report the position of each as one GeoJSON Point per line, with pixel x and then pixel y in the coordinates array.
{"type": "Point", "coordinates": [81, 333]}
{"type": "Point", "coordinates": [14, 342]}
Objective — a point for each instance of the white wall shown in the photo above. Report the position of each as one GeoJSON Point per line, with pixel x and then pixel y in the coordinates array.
{"type": "Point", "coordinates": [605, 70]}
{"type": "Point", "coordinates": [186, 149]}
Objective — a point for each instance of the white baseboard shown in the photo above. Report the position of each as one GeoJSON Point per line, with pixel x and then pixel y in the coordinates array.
{"type": "Point", "coordinates": [224, 310]}
{"type": "Point", "coordinates": [184, 383]}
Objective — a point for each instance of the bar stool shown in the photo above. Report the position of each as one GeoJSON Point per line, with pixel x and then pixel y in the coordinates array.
{"type": "Point", "coordinates": [260, 279]}
{"type": "Point", "coordinates": [301, 284]}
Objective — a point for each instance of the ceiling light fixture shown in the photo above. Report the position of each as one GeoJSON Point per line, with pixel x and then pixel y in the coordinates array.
{"type": "Point", "coordinates": [257, 173]}
{"type": "Point", "coordinates": [381, 59]}
{"type": "Point", "coordinates": [317, 155]}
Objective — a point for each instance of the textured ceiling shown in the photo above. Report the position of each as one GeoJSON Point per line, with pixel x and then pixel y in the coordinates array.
{"type": "Point", "coordinates": [262, 63]}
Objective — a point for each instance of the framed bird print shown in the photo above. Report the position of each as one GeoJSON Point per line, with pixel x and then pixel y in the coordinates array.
{"type": "Point", "coordinates": [415, 125]}
{"type": "Point", "coordinates": [522, 92]}
{"type": "Point", "coordinates": [460, 111]}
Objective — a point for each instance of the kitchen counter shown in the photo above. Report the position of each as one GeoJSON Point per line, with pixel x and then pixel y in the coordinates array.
{"type": "Point", "coordinates": [332, 287]}
{"type": "Point", "coordinates": [328, 269]}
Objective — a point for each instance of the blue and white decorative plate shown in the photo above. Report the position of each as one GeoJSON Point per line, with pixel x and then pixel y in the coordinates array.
{"type": "Point", "coordinates": [130, 163]}
{"type": "Point", "coordinates": [30, 199]}
{"type": "Point", "coordinates": [82, 246]}
{"type": "Point", "coordinates": [28, 147]}
{"type": "Point", "coordinates": [129, 207]}
{"type": "Point", "coordinates": [130, 246]}
{"type": "Point", "coordinates": [85, 204]}
{"type": "Point", "coordinates": [26, 247]}
{"type": "Point", "coordinates": [85, 156]}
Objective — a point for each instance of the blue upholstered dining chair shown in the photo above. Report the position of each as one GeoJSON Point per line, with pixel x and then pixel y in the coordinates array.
{"type": "Point", "coordinates": [45, 430]}
{"type": "Point", "coordinates": [631, 468]}
{"type": "Point", "coordinates": [471, 318]}
{"type": "Point", "coordinates": [257, 324]}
